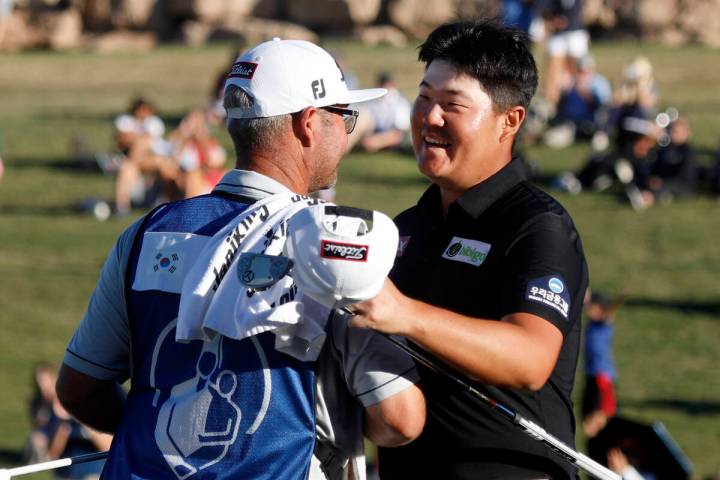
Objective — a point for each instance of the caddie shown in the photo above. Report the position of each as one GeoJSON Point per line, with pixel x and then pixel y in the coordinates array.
{"type": "Point", "coordinates": [218, 406]}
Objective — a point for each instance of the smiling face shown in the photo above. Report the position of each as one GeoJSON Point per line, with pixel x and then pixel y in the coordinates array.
{"type": "Point", "coordinates": [458, 137]}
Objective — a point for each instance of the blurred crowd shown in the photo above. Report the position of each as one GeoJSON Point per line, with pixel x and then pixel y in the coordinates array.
{"type": "Point", "coordinates": [636, 149]}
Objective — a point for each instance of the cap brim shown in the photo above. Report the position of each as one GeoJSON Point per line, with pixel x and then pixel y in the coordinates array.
{"type": "Point", "coordinates": [365, 95]}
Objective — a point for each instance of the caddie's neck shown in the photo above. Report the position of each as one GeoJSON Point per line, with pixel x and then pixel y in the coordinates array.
{"type": "Point", "coordinates": [283, 161]}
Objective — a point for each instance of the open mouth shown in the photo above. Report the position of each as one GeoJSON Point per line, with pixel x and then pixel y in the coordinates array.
{"type": "Point", "coordinates": [435, 142]}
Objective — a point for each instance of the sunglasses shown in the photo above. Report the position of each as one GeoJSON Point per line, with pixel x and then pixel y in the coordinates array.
{"type": "Point", "coordinates": [349, 117]}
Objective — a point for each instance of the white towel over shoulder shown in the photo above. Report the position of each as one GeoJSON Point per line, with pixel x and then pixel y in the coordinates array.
{"type": "Point", "coordinates": [214, 301]}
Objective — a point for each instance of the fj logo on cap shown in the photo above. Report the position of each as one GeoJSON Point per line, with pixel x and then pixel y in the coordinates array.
{"type": "Point", "coordinates": [344, 251]}
{"type": "Point", "coordinates": [318, 88]}
{"type": "Point", "coordinates": [465, 250]}
{"type": "Point", "coordinates": [244, 70]}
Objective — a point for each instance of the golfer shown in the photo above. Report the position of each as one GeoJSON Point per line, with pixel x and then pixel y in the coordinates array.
{"type": "Point", "coordinates": [223, 407]}
{"type": "Point", "coordinates": [490, 274]}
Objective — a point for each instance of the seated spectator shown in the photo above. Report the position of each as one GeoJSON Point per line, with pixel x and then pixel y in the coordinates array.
{"type": "Point", "coordinates": [673, 173]}
{"type": "Point", "coordinates": [69, 439]}
{"type": "Point", "coordinates": [56, 434]}
{"type": "Point", "coordinates": [635, 99]}
{"type": "Point", "coordinates": [385, 122]}
{"type": "Point", "coordinates": [201, 158]}
{"type": "Point", "coordinates": [41, 404]}
{"type": "Point", "coordinates": [189, 163]}
{"type": "Point", "coordinates": [139, 123]}
{"type": "Point", "coordinates": [582, 109]}
{"type": "Point", "coordinates": [628, 165]}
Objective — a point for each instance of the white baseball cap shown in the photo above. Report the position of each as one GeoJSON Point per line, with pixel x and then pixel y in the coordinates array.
{"type": "Point", "coordinates": [341, 255]}
{"type": "Point", "coordinates": [286, 76]}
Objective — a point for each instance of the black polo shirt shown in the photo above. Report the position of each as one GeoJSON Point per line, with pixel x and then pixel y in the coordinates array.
{"type": "Point", "coordinates": [504, 247]}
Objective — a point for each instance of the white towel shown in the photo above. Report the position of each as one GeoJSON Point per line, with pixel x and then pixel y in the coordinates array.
{"type": "Point", "coordinates": [213, 301]}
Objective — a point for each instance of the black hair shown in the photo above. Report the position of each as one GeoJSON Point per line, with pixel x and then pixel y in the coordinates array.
{"type": "Point", "coordinates": [600, 299]}
{"type": "Point", "coordinates": [384, 77]}
{"type": "Point", "coordinates": [497, 56]}
{"type": "Point", "coordinates": [138, 102]}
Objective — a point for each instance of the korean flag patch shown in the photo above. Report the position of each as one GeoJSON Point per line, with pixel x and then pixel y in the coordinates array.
{"type": "Point", "coordinates": [550, 291]}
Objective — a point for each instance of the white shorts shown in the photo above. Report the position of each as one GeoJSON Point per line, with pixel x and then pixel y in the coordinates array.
{"type": "Point", "coordinates": [574, 43]}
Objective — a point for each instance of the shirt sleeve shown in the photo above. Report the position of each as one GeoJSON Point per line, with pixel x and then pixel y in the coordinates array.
{"type": "Point", "coordinates": [545, 272]}
{"type": "Point", "coordinates": [373, 367]}
{"type": "Point", "coordinates": [100, 346]}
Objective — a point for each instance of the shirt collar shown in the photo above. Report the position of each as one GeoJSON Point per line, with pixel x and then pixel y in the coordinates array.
{"type": "Point", "coordinates": [249, 184]}
{"type": "Point", "coordinates": [478, 198]}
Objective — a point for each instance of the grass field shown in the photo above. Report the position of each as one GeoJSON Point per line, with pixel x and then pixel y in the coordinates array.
{"type": "Point", "coordinates": [667, 336]}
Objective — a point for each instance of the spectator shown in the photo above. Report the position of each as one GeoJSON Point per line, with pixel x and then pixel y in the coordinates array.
{"type": "Point", "coordinates": [568, 40]}
{"type": "Point", "coordinates": [140, 121]}
{"type": "Point", "coordinates": [619, 463]}
{"type": "Point", "coordinates": [41, 404]}
{"type": "Point", "coordinates": [385, 123]}
{"type": "Point", "coordinates": [599, 401]}
{"type": "Point", "coordinates": [634, 137]}
{"type": "Point", "coordinates": [673, 173]}
{"type": "Point", "coordinates": [628, 166]}
{"type": "Point", "coordinates": [518, 14]}
{"type": "Point", "coordinates": [56, 434]}
{"type": "Point", "coordinates": [189, 163]}
{"type": "Point", "coordinates": [634, 99]}
{"type": "Point", "coordinates": [582, 109]}
{"type": "Point", "coordinates": [69, 439]}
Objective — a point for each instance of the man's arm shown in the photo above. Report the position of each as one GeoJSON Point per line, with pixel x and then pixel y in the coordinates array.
{"type": "Point", "coordinates": [397, 420]}
{"type": "Point", "coordinates": [520, 351]}
{"type": "Point", "coordinates": [382, 140]}
{"type": "Point", "coordinates": [382, 378]}
{"type": "Point", "coordinates": [96, 403]}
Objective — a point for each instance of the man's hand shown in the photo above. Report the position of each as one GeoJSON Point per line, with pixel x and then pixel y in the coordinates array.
{"type": "Point", "coordinates": [387, 312]}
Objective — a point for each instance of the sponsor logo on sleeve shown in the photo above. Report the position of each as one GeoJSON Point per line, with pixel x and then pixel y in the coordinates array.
{"type": "Point", "coordinates": [244, 70]}
{"type": "Point", "coordinates": [550, 291]}
{"type": "Point", "coordinates": [473, 252]}
{"type": "Point", "coordinates": [344, 251]}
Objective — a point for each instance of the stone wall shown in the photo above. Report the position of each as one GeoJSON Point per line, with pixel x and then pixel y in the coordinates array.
{"type": "Point", "coordinates": [139, 24]}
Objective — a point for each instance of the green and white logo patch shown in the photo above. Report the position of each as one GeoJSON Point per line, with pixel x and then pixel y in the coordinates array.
{"type": "Point", "coordinates": [465, 250]}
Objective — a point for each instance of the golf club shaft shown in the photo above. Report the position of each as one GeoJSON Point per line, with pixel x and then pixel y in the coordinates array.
{"type": "Point", "coordinates": [53, 464]}
{"type": "Point", "coordinates": [578, 459]}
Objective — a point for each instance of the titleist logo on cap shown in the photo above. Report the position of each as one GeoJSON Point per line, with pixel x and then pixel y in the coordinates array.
{"type": "Point", "coordinates": [243, 70]}
{"type": "Point", "coordinates": [344, 251]}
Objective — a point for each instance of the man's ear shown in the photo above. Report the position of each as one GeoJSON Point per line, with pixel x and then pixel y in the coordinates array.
{"type": "Point", "coordinates": [513, 119]}
{"type": "Point", "coordinates": [304, 124]}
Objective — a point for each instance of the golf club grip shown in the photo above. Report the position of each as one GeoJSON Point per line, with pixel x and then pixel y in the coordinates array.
{"type": "Point", "coordinates": [578, 459]}
{"type": "Point", "coordinates": [53, 464]}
